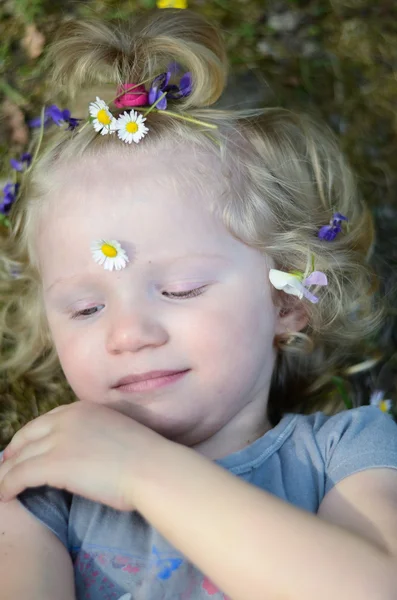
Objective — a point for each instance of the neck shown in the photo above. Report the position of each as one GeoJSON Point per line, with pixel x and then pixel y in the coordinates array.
{"type": "Point", "coordinates": [241, 431]}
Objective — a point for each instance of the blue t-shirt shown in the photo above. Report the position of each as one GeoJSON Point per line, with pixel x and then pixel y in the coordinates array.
{"type": "Point", "coordinates": [120, 556]}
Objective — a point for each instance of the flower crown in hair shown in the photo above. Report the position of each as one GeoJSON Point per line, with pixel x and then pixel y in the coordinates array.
{"type": "Point", "coordinates": [130, 125]}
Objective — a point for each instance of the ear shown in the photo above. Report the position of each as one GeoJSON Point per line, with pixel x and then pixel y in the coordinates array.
{"type": "Point", "coordinates": [292, 314]}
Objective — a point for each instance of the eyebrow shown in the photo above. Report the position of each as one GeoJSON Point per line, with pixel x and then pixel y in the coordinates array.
{"type": "Point", "coordinates": [198, 255]}
{"type": "Point", "coordinates": [167, 262]}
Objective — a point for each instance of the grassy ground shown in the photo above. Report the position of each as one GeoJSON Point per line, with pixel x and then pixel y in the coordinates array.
{"type": "Point", "coordinates": [335, 58]}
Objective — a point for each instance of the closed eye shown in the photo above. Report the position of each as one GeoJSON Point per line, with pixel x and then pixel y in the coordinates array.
{"type": "Point", "coordinates": [187, 294]}
{"type": "Point", "coordinates": [86, 312]}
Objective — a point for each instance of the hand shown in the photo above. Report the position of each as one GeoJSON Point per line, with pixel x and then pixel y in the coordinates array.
{"type": "Point", "coordinates": [87, 449]}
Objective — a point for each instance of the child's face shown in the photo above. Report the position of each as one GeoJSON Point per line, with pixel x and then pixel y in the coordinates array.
{"type": "Point", "coordinates": [222, 338]}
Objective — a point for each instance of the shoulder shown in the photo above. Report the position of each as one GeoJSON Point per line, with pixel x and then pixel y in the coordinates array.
{"type": "Point", "coordinates": [366, 427]}
{"type": "Point", "coordinates": [363, 425]}
{"type": "Point", "coordinates": [350, 441]}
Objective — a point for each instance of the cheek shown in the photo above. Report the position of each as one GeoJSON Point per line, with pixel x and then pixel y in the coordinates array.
{"type": "Point", "coordinates": [239, 335]}
{"type": "Point", "coordinates": [79, 364]}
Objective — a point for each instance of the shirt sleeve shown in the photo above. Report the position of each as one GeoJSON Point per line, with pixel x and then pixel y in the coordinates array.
{"type": "Point", "coordinates": [355, 440]}
{"type": "Point", "coordinates": [51, 507]}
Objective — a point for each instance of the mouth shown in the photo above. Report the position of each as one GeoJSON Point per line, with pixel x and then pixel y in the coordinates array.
{"type": "Point", "coordinates": [149, 381]}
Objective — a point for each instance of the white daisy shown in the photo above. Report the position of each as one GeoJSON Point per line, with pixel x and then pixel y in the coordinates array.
{"type": "Point", "coordinates": [130, 127]}
{"type": "Point", "coordinates": [102, 119]}
{"type": "Point", "coordinates": [377, 399]}
{"type": "Point", "coordinates": [110, 254]}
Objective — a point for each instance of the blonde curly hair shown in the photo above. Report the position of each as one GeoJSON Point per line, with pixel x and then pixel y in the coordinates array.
{"type": "Point", "coordinates": [284, 178]}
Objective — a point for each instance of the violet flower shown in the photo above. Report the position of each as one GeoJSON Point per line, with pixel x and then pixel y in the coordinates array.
{"type": "Point", "coordinates": [173, 92]}
{"type": "Point", "coordinates": [184, 89]}
{"type": "Point", "coordinates": [57, 116]}
{"type": "Point", "coordinates": [20, 164]}
{"type": "Point", "coordinates": [71, 121]}
{"type": "Point", "coordinates": [158, 87]}
{"type": "Point", "coordinates": [329, 232]}
{"type": "Point", "coordinates": [10, 192]}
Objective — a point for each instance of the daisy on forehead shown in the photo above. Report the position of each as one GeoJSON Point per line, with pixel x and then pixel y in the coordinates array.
{"type": "Point", "coordinates": [169, 277]}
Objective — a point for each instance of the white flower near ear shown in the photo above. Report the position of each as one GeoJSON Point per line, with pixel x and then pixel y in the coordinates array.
{"type": "Point", "coordinates": [286, 282]}
{"type": "Point", "coordinates": [295, 285]}
{"type": "Point", "coordinates": [126, 597]}
{"type": "Point", "coordinates": [110, 254]}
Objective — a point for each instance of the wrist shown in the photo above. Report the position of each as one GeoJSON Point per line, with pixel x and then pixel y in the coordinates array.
{"type": "Point", "coordinates": [150, 457]}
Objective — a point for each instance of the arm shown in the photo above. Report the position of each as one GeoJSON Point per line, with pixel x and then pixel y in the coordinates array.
{"type": "Point", "coordinates": [254, 545]}
{"type": "Point", "coordinates": [34, 565]}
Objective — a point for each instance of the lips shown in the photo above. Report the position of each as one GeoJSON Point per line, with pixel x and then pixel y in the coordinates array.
{"type": "Point", "coordinates": [130, 379]}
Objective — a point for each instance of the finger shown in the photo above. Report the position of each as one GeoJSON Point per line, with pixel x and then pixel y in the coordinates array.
{"type": "Point", "coordinates": [34, 471]}
{"type": "Point", "coordinates": [32, 431]}
{"type": "Point", "coordinates": [43, 446]}
{"type": "Point", "coordinates": [30, 450]}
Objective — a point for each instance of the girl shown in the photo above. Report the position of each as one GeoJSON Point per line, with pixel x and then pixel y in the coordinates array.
{"type": "Point", "coordinates": [180, 263]}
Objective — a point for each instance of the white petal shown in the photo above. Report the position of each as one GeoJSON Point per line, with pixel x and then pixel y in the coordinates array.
{"type": "Point", "coordinates": [113, 243]}
{"type": "Point", "coordinates": [376, 397]}
{"type": "Point", "coordinates": [108, 264]}
{"type": "Point", "coordinates": [295, 290]}
{"type": "Point", "coordinates": [280, 279]}
{"type": "Point", "coordinates": [286, 282]}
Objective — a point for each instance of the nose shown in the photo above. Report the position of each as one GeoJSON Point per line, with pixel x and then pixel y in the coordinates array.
{"type": "Point", "coordinates": [133, 330]}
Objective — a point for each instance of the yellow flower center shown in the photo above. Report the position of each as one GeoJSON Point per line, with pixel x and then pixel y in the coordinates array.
{"type": "Point", "coordinates": [103, 117]}
{"type": "Point", "coordinates": [171, 3]}
{"type": "Point", "coordinates": [383, 406]}
{"type": "Point", "coordinates": [131, 127]}
{"type": "Point", "coordinates": [108, 250]}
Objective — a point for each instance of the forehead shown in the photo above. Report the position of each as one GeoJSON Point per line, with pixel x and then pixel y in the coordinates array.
{"type": "Point", "coordinates": [152, 203]}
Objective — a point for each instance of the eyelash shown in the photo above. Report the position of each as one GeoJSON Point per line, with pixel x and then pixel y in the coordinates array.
{"type": "Point", "coordinates": [184, 295]}
{"type": "Point", "coordinates": [187, 294]}
{"type": "Point", "coordinates": [83, 313]}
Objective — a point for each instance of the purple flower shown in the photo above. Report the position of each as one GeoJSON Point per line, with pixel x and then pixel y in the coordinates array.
{"type": "Point", "coordinates": [161, 85]}
{"type": "Point", "coordinates": [57, 116]}
{"type": "Point", "coordinates": [19, 165]}
{"type": "Point", "coordinates": [329, 232]}
{"type": "Point", "coordinates": [184, 89]}
{"type": "Point", "coordinates": [55, 113]}
{"type": "Point", "coordinates": [158, 87]}
{"type": "Point", "coordinates": [10, 192]}
{"type": "Point", "coordinates": [316, 278]}
{"type": "Point", "coordinates": [71, 121]}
